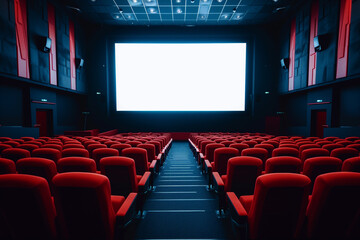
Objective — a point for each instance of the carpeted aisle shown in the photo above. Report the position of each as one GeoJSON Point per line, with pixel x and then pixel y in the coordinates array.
{"type": "Point", "coordinates": [181, 207]}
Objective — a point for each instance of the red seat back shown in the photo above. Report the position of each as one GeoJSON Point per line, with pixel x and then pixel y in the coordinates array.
{"type": "Point", "coordinates": [285, 151]}
{"type": "Point", "coordinates": [260, 153]}
{"type": "Point", "coordinates": [221, 157]}
{"type": "Point", "coordinates": [15, 153]}
{"type": "Point", "coordinates": [75, 152]}
{"type": "Point", "coordinates": [7, 166]}
{"type": "Point", "coordinates": [351, 165]}
{"type": "Point", "coordinates": [76, 164]}
{"type": "Point", "coordinates": [278, 207]}
{"type": "Point", "coordinates": [241, 175]}
{"type": "Point", "coordinates": [333, 212]}
{"type": "Point", "coordinates": [139, 155]}
{"type": "Point", "coordinates": [26, 203]}
{"type": "Point", "coordinates": [344, 153]}
{"type": "Point", "coordinates": [121, 173]}
{"type": "Point", "coordinates": [48, 153]}
{"type": "Point", "coordinates": [283, 164]}
{"type": "Point", "coordinates": [83, 202]}
{"type": "Point", "coordinates": [100, 153]}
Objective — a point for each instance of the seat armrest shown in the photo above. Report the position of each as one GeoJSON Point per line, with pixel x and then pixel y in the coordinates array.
{"type": "Point", "coordinates": [208, 166]}
{"type": "Point", "coordinates": [127, 209]}
{"type": "Point", "coordinates": [201, 155]}
{"type": "Point", "coordinates": [152, 166]}
{"type": "Point", "coordinates": [218, 182]}
{"type": "Point", "coordinates": [144, 182]}
{"type": "Point", "coordinates": [237, 210]}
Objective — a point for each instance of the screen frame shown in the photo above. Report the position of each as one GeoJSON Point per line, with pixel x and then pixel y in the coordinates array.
{"type": "Point", "coordinates": [179, 35]}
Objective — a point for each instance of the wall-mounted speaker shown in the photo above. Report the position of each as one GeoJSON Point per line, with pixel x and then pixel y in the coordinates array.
{"type": "Point", "coordinates": [45, 44]}
{"type": "Point", "coordinates": [321, 42]}
{"type": "Point", "coordinates": [317, 43]}
{"type": "Point", "coordinates": [79, 62]}
{"type": "Point", "coordinates": [284, 62]}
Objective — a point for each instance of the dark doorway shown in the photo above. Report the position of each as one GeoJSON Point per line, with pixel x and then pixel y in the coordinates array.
{"type": "Point", "coordinates": [44, 120]}
{"type": "Point", "coordinates": [318, 123]}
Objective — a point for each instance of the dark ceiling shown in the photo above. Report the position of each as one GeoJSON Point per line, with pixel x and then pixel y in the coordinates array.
{"type": "Point", "coordinates": [181, 12]}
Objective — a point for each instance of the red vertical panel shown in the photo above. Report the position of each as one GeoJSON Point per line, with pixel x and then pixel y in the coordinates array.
{"type": "Point", "coordinates": [72, 55]}
{"type": "Point", "coordinates": [22, 47]}
{"type": "Point", "coordinates": [343, 38]}
{"type": "Point", "coordinates": [52, 36]}
{"type": "Point", "coordinates": [292, 55]}
{"type": "Point", "coordinates": [313, 33]}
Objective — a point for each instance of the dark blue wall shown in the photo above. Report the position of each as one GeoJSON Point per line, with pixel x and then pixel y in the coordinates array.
{"type": "Point", "coordinates": [342, 94]}
{"type": "Point", "coordinates": [17, 94]}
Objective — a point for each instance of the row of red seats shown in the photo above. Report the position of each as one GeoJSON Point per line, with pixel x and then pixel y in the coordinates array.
{"type": "Point", "coordinates": [127, 175]}
{"type": "Point", "coordinates": [235, 176]}
{"type": "Point", "coordinates": [81, 207]}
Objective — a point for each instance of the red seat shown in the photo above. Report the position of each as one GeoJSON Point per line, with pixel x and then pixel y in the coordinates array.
{"type": "Point", "coordinates": [100, 153]}
{"type": "Point", "coordinates": [289, 145]}
{"type": "Point", "coordinates": [209, 153]}
{"type": "Point", "coordinates": [308, 146]}
{"type": "Point", "coordinates": [123, 177]}
{"type": "Point", "coordinates": [133, 143]}
{"type": "Point", "coordinates": [29, 147]}
{"type": "Point", "coordinates": [240, 146]}
{"type": "Point", "coordinates": [332, 146]}
{"type": "Point", "coordinates": [344, 143]}
{"type": "Point", "coordinates": [92, 147]}
{"type": "Point", "coordinates": [277, 208]}
{"type": "Point", "coordinates": [344, 153]}
{"type": "Point", "coordinates": [7, 166]}
{"type": "Point", "coordinates": [267, 146]}
{"type": "Point", "coordinates": [55, 146]}
{"type": "Point", "coordinates": [48, 153]}
{"type": "Point", "coordinates": [12, 143]}
{"type": "Point", "coordinates": [26, 203]}
{"type": "Point", "coordinates": [141, 160]}
{"type": "Point", "coordinates": [316, 166]}
{"type": "Point", "coordinates": [15, 153]}
{"type": "Point", "coordinates": [4, 139]}
{"type": "Point", "coordinates": [313, 152]}
{"type": "Point", "coordinates": [38, 167]}
{"type": "Point", "coordinates": [240, 178]}
{"type": "Point", "coordinates": [76, 164]}
{"type": "Point", "coordinates": [285, 151]}
{"type": "Point", "coordinates": [227, 143]}
{"type": "Point", "coordinates": [355, 146]}
{"type": "Point", "coordinates": [353, 138]}
{"type": "Point", "coordinates": [150, 148]}
{"type": "Point", "coordinates": [3, 147]}
{"type": "Point", "coordinates": [72, 145]}
{"type": "Point", "coordinates": [120, 147]}
{"type": "Point", "coordinates": [221, 157]}
{"type": "Point", "coordinates": [74, 152]}
{"type": "Point", "coordinates": [351, 165]}
{"type": "Point", "coordinates": [251, 143]}
{"type": "Point", "coordinates": [333, 211]}
{"type": "Point", "coordinates": [260, 153]}
{"type": "Point", "coordinates": [86, 209]}
{"type": "Point", "coordinates": [283, 164]}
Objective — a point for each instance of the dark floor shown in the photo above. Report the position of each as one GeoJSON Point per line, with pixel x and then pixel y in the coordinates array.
{"type": "Point", "coordinates": [180, 207]}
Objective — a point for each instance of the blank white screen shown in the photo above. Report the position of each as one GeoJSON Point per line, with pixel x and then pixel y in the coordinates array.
{"type": "Point", "coordinates": [180, 77]}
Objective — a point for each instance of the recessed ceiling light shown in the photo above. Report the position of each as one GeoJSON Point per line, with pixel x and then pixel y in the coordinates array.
{"type": "Point", "coordinates": [149, 1]}
{"type": "Point", "coordinates": [219, 1]}
{"type": "Point", "coordinates": [192, 1]}
{"type": "Point", "coordinates": [178, 1]}
{"type": "Point", "coordinates": [135, 1]}
{"type": "Point", "coordinates": [120, 10]}
{"type": "Point", "coordinates": [93, 0]}
{"type": "Point", "coordinates": [179, 10]}
{"type": "Point", "coordinates": [152, 10]}
{"type": "Point", "coordinates": [234, 10]}
{"type": "Point", "coordinates": [117, 16]}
